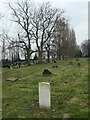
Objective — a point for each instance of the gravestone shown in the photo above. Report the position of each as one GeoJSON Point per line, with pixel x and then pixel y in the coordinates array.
{"type": "Point", "coordinates": [55, 66]}
{"type": "Point", "coordinates": [78, 64]}
{"type": "Point", "coordinates": [70, 62]}
{"type": "Point", "coordinates": [54, 61]}
{"type": "Point", "coordinates": [44, 95]}
{"type": "Point", "coordinates": [12, 79]}
{"type": "Point", "coordinates": [46, 72]}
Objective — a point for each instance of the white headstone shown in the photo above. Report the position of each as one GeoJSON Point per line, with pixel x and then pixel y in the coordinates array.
{"type": "Point", "coordinates": [44, 95]}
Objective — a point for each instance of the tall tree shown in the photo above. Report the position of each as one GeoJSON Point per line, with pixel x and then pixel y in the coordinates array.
{"type": "Point", "coordinates": [61, 37]}
{"type": "Point", "coordinates": [44, 20]}
{"type": "Point", "coordinates": [22, 16]}
{"type": "Point", "coordinates": [65, 39]}
{"type": "Point", "coordinates": [72, 44]}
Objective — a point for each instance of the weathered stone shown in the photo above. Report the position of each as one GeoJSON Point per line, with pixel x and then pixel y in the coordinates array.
{"type": "Point", "coordinates": [54, 61]}
{"type": "Point", "coordinates": [66, 82]}
{"type": "Point", "coordinates": [12, 79]}
{"type": "Point", "coordinates": [71, 63]}
{"type": "Point", "coordinates": [77, 59]}
{"type": "Point", "coordinates": [55, 66]}
{"type": "Point", "coordinates": [46, 72]}
{"type": "Point", "coordinates": [44, 95]}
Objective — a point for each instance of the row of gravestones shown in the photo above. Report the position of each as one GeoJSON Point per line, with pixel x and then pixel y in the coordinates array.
{"type": "Point", "coordinates": [12, 66]}
{"type": "Point", "coordinates": [78, 64]}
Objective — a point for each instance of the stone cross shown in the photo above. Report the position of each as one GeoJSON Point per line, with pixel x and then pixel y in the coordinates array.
{"type": "Point", "coordinates": [44, 95]}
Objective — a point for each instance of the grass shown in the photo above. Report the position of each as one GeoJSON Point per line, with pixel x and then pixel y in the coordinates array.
{"type": "Point", "coordinates": [69, 91]}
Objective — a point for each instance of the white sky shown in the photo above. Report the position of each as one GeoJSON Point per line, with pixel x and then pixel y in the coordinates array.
{"type": "Point", "coordinates": [76, 10]}
{"type": "Point", "coordinates": [88, 20]}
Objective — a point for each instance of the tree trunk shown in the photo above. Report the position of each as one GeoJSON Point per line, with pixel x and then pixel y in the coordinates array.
{"type": "Point", "coordinates": [29, 48]}
{"type": "Point", "coordinates": [39, 56]}
{"type": "Point", "coordinates": [28, 57]}
{"type": "Point", "coordinates": [59, 58]}
{"type": "Point", "coordinates": [58, 55]}
{"type": "Point", "coordinates": [25, 56]}
{"type": "Point", "coordinates": [48, 56]}
{"type": "Point", "coordinates": [63, 57]}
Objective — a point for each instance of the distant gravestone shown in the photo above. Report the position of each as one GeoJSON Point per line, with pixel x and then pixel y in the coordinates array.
{"type": "Point", "coordinates": [78, 64]}
{"type": "Point", "coordinates": [70, 62]}
{"type": "Point", "coordinates": [46, 72]}
{"type": "Point", "coordinates": [55, 66]}
{"type": "Point", "coordinates": [12, 79]}
{"type": "Point", "coordinates": [44, 95]}
{"type": "Point", "coordinates": [54, 61]}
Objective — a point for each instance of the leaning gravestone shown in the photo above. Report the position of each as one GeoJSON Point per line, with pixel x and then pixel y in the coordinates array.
{"type": "Point", "coordinates": [44, 95]}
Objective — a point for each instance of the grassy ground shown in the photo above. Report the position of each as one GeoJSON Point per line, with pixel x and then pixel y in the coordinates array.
{"type": "Point", "coordinates": [69, 91]}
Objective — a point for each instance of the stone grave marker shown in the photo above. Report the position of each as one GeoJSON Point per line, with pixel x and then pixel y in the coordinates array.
{"type": "Point", "coordinates": [55, 66]}
{"type": "Point", "coordinates": [46, 72]}
{"type": "Point", "coordinates": [44, 95]}
{"type": "Point", "coordinates": [12, 79]}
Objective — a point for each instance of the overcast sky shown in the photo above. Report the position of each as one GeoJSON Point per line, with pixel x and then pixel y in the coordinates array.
{"type": "Point", "coordinates": [76, 10]}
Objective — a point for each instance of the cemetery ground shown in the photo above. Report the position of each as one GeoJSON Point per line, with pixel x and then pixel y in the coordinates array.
{"type": "Point", "coordinates": [68, 86]}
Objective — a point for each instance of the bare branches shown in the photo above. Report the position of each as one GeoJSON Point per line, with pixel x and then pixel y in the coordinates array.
{"type": "Point", "coordinates": [22, 17]}
{"type": "Point", "coordinates": [40, 27]}
{"type": "Point", "coordinates": [43, 22]}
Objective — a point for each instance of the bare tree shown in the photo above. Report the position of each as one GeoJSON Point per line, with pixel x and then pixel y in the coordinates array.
{"type": "Point", "coordinates": [22, 16]}
{"type": "Point", "coordinates": [43, 21]}
{"type": "Point", "coordinates": [5, 40]}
